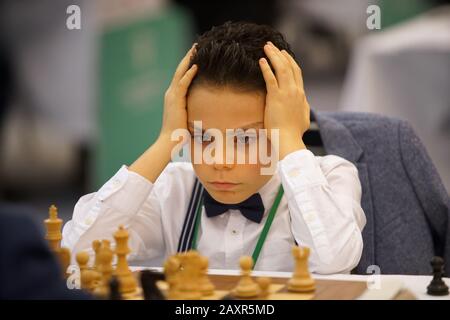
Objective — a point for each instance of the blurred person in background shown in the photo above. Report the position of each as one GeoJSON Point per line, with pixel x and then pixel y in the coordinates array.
{"type": "Point", "coordinates": [28, 269]}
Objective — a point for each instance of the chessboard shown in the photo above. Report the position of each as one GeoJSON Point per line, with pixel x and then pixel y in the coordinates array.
{"type": "Point", "coordinates": [185, 275]}
{"type": "Point", "coordinates": [325, 289]}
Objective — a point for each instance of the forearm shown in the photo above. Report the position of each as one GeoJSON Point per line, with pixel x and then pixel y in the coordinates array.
{"type": "Point", "coordinates": [153, 161]}
{"type": "Point", "coordinates": [324, 202]}
{"type": "Point", "coordinates": [120, 201]}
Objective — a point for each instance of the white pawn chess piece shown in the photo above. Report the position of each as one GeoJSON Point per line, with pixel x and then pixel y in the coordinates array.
{"type": "Point", "coordinates": [246, 287]}
{"type": "Point", "coordinates": [88, 278]}
{"type": "Point", "coordinates": [264, 285]}
{"type": "Point", "coordinates": [206, 286]}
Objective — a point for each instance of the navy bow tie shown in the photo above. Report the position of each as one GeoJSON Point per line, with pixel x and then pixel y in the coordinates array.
{"type": "Point", "coordinates": [252, 208]}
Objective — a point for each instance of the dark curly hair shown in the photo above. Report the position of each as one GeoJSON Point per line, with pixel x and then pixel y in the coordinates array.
{"type": "Point", "coordinates": [228, 55]}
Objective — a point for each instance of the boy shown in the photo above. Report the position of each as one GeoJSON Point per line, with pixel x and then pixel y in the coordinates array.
{"type": "Point", "coordinates": [239, 78]}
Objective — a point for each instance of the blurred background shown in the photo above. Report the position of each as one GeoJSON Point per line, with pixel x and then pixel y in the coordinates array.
{"type": "Point", "coordinates": [77, 104]}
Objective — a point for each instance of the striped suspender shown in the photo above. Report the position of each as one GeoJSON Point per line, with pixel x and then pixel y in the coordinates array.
{"type": "Point", "coordinates": [187, 233]}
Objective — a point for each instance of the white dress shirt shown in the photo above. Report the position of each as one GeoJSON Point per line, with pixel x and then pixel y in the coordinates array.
{"type": "Point", "coordinates": [320, 209]}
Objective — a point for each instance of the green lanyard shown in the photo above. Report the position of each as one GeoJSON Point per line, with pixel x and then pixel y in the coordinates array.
{"type": "Point", "coordinates": [262, 236]}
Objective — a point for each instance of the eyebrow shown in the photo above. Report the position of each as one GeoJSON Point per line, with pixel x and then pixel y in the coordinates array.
{"type": "Point", "coordinates": [248, 126]}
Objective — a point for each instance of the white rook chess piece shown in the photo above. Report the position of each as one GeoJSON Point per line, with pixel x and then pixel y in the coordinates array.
{"type": "Point", "coordinates": [189, 276]}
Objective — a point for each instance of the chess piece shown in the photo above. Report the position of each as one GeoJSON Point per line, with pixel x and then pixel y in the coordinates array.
{"type": "Point", "coordinates": [301, 280]}
{"type": "Point", "coordinates": [64, 259]}
{"type": "Point", "coordinates": [189, 276]}
{"type": "Point", "coordinates": [264, 284]}
{"type": "Point", "coordinates": [104, 260]}
{"type": "Point", "coordinates": [54, 236]}
{"type": "Point", "coordinates": [437, 286]}
{"type": "Point", "coordinates": [88, 278]}
{"type": "Point", "coordinates": [246, 287]}
{"type": "Point", "coordinates": [53, 225]}
{"type": "Point", "coordinates": [172, 268]}
{"type": "Point", "coordinates": [96, 244]}
{"type": "Point", "coordinates": [91, 280]}
{"type": "Point", "coordinates": [128, 283]}
{"type": "Point", "coordinates": [149, 287]}
{"type": "Point", "coordinates": [82, 259]}
{"type": "Point", "coordinates": [114, 291]}
{"type": "Point", "coordinates": [206, 286]}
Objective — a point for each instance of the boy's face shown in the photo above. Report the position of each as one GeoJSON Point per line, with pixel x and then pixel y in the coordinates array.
{"type": "Point", "coordinates": [225, 108]}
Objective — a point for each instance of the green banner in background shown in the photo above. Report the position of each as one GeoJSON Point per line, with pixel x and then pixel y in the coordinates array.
{"type": "Point", "coordinates": [137, 61]}
{"type": "Point", "coordinates": [394, 12]}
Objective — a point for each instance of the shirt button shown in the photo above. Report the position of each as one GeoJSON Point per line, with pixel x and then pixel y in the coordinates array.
{"type": "Point", "coordinates": [116, 183]}
{"type": "Point", "coordinates": [294, 173]}
{"type": "Point", "coordinates": [310, 217]}
{"type": "Point", "coordinates": [234, 232]}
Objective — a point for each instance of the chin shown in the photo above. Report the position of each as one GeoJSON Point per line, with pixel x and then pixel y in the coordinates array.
{"type": "Point", "coordinates": [228, 197]}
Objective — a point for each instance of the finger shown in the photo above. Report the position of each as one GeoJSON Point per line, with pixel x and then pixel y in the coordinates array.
{"type": "Point", "coordinates": [279, 51]}
{"type": "Point", "coordinates": [281, 65]}
{"type": "Point", "coordinates": [183, 66]}
{"type": "Point", "coordinates": [294, 67]}
{"type": "Point", "coordinates": [185, 81]}
{"type": "Point", "coordinates": [269, 77]}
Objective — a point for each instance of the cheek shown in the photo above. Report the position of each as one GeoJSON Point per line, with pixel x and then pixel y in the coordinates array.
{"type": "Point", "coordinates": [247, 172]}
{"type": "Point", "coordinates": [264, 146]}
{"type": "Point", "coordinates": [191, 146]}
{"type": "Point", "coordinates": [195, 147]}
{"type": "Point", "coordinates": [263, 151]}
{"type": "Point", "coordinates": [202, 171]}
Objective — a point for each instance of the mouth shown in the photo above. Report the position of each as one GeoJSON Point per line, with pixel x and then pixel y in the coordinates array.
{"type": "Point", "coordinates": [223, 185]}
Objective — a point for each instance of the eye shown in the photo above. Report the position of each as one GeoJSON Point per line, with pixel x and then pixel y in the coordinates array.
{"type": "Point", "coordinates": [205, 138]}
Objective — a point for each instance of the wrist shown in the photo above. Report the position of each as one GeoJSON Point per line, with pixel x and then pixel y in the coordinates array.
{"type": "Point", "coordinates": [165, 140]}
{"type": "Point", "coordinates": [290, 142]}
{"type": "Point", "coordinates": [153, 161]}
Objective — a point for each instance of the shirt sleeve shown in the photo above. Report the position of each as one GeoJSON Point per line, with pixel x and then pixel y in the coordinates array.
{"type": "Point", "coordinates": [324, 196]}
{"type": "Point", "coordinates": [127, 199]}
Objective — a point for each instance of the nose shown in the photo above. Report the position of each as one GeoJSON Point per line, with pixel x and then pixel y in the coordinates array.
{"type": "Point", "coordinates": [223, 166]}
{"type": "Point", "coordinates": [225, 161]}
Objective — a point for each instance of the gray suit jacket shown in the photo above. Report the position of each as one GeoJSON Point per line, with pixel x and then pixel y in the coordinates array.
{"type": "Point", "coordinates": [406, 205]}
